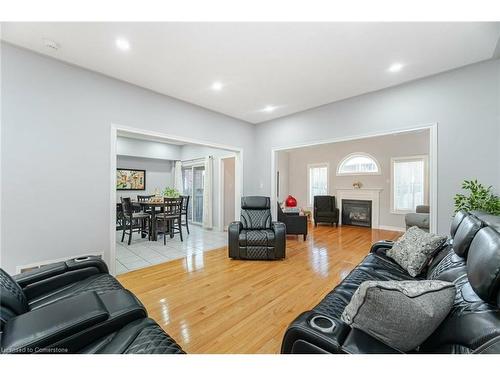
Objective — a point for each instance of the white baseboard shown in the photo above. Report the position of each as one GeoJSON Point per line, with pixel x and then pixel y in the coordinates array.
{"type": "Point", "coordinates": [389, 227]}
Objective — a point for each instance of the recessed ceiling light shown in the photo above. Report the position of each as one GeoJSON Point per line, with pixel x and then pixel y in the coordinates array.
{"type": "Point", "coordinates": [122, 44]}
{"type": "Point", "coordinates": [49, 43]}
{"type": "Point", "coordinates": [396, 67]}
{"type": "Point", "coordinates": [269, 108]}
{"type": "Point", "coordinates": [217, 86]}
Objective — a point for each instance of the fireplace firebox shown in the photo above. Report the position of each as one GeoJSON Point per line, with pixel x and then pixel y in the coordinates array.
{"type": "Point", "coordinates": [357, 212]}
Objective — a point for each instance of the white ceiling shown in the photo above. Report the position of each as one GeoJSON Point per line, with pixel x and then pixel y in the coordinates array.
{"type": "Point", "coordinates": [292, 66]}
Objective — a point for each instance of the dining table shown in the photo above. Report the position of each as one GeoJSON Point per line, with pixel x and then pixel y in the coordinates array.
{"type": "Point", "coordinates": [144, 205]}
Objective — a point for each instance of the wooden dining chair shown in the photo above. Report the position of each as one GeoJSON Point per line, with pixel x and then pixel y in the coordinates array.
{"type": "Point", "coordinates": [145, 198]}
{"type": "Point", "coordinates": [133, 221]}
{"type": "Point", "coordinates": [168, 221]}
{"type": "Point", "coordinates": [184, 211]}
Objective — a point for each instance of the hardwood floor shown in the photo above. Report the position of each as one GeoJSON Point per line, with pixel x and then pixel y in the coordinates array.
{"type": "Point", "coordinates": [211, 304]}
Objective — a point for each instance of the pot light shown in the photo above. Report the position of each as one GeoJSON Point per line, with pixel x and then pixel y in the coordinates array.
{"type": "Point", "coordinates": [122, 44]}
{"type": "Point", "coordinates": [396, 67]}
{"type": "Point", "coordinates": [49, 43]}
{"type": "Point", "coordinates": [269, 108]}
{"type": "Point", "coordinates": [217, 86]}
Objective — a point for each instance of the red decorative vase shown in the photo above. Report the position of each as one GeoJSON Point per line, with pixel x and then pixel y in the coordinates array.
{"type": "Point", "coordinates": [291, 201]}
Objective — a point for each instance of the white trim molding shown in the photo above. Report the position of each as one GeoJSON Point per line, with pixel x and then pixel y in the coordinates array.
{"type": "Point", "coordinates": [392, 228]}
{"type": "Point", "coordinates": [110, 257]}
{"type": "Point", "coordinates": [433, 161]}
{"type": "Point", "coordinates": [372, 194]}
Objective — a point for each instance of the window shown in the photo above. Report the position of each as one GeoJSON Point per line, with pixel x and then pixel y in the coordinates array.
{"type": "Point", "coordinates": [317, 180]}
{"type": "Point", "coordinates": [408, 183]}
{"type": "Point", "coordinates": [358, 164]}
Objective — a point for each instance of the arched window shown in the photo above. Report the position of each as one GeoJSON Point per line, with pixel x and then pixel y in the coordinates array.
{"type": "Point", "coordinates": [358, 163]}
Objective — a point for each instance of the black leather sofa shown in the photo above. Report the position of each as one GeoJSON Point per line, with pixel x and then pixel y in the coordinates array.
{"type": "Point", "coordinates": [75, 307]}
{"type": "Point", "coordinates": [256, 236]}
{"type": "Point", "coordinates": [294, 223]}
{"type": "Point", "coordinates": [470, 259]}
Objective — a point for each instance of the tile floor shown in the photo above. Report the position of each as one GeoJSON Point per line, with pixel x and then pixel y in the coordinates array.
{"type": "Point", "coordinates": [143, 253]}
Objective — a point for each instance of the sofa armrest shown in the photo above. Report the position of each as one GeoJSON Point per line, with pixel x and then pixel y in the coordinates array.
{"type": "Point", "coordinates": [359, 342]}
{"type": "Point", "coordinates": [303, 337]}
{"type": "Point", "coordinates": [42, 328]}
{"type": "Point", "coordinates": [56, 275]}
{"type": "Point", "coordinates": [233, 232]}
{"type": "Point", "coordinates": [420, 220]}
{"type": "Point", "coordinates": [280, 240]}
{"type": "Point", "coordinates": [306, 335]}
{"type": "Point", "coordinates": [381, 246]}
{"type": "Point", "coordinates": [71, 324]}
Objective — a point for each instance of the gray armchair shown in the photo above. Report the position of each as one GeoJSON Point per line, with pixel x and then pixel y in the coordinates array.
{"type": "Point", "coordinates": [420, 218]}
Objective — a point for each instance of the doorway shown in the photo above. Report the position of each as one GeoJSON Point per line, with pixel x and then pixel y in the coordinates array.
{"type": "Point", "coordinates": [188, 166]}
{"type": "Point", "coordinates": [382, 188]}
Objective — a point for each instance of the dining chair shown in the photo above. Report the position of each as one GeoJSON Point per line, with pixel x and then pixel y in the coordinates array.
{"type": "Point", "coordinates": [184, 211]}
{"type": "Point", "coordinates": [145, 198]}
{"type": "Point", "coordinates": [168, 221]}
{"type": "Point", "coordinates": [133, 221]}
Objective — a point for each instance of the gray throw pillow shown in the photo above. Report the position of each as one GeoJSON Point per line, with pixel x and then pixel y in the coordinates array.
{"type": "Point", "coordinates": [402, 314]}
{"type": "Point", "coordinates": [414, 249]}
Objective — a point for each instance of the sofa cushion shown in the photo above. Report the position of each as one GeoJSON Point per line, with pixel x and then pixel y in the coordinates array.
{"type": "Point", "coordinates": [139, 337]}
{"type": "Point", "coordinates": [402, 314]}
{"type": "Point", "coordinates": [326, 214]}
{"type": "Point", "coordinates": [13, 299]}
{"type": "Point", "coordinates": [373, 267]}
{"type": "Point", "coordinates": [262, 237]}
{"type": "Point", "coordinates": [414, 249]}
{"type": "Point", "coordinates": [446, 266]}
{"type": "Point", "coordinates": [100, 283]}
{"type": "Point", "coordinates": [466, 231]}
{"type": "Point", "coordinates": [457, 219]}
{"type": "Point", "coordinates": [483, 265]}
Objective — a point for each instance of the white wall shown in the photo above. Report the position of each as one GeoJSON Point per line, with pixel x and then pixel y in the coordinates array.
{"type": "Point", "coordinates": [381, 148]}
{"type": "Point", "coordinates": [464, 102]}
{"type": "Point", "coordinates": [159, 174]}
{"type": "Point", "coordinates": [56, 144]}
{"type": "Point", "coordinates": [147, 149]}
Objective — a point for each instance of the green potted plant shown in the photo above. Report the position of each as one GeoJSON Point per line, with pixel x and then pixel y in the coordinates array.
{"type": "Point", "coordinates": [479, 197]}
{"type": "Point", "coordinates": [169, 192]}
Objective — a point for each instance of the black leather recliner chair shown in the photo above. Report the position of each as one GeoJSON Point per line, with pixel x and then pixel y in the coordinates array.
{"type": "Point", "coordinates": [255, 236]}
{"type": "Point", "coordinates": [75, 307]}
{"type": "Point", "coordinates": [325, 210]}
{"type": "Point", "coordinates": [470, 259]}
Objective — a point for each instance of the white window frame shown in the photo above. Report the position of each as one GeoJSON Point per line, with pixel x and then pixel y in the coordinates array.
{"type": "Point", "coordinates": [317, 165]}
{"type": "Point", "coordinates": [425, 158]}
{"type": "Point", "coordinates": [377, 173]}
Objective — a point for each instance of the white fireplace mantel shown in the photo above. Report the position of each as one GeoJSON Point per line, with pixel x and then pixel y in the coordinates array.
{"type": "Point", "coordinates": [365, 194]}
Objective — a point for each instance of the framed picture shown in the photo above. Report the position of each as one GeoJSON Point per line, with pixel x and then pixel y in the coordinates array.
{"type": "Point", "coordinates": [130, 179]}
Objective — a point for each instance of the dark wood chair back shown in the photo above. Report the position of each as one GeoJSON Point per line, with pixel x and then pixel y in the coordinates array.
{"type": "Point", "coordinates": [144, 198]}
{"type": "Point", "coordinates": [173, 207]}
{"type": "Point", "coordinates": [127, 208]}
{"type": "Point", "coordinates": [185, 203]}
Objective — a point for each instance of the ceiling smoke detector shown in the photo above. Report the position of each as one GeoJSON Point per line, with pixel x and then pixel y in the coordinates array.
{"type": "Point", "coordinates": [51, 44]}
